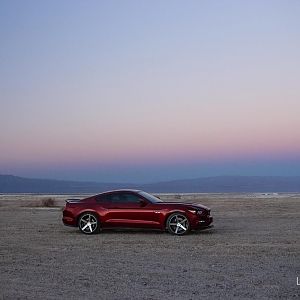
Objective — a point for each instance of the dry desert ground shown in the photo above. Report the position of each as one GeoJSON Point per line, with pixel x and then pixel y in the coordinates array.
{"type": "Point", "coordinates": [253, 252]}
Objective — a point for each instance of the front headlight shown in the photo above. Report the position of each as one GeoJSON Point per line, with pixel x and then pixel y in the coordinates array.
{"type": "Point", "coordinates": [196, 211]}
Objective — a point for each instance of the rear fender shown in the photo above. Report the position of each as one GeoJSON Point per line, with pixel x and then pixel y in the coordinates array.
{"type": "Point", "coordinates": [85, 211]}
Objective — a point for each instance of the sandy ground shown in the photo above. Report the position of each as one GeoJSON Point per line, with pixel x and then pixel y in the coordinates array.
{"type": "Point", "coordinates": [253, 252]}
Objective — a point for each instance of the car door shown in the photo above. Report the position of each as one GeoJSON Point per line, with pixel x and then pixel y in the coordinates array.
{"type": "Point", "coordinates": [127, 209]}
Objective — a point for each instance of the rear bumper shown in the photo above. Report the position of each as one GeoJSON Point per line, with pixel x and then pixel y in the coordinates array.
{"type": "Point", "coordinates": [68, 218]}
{"type": "Point", "coordinates": [69, 221]}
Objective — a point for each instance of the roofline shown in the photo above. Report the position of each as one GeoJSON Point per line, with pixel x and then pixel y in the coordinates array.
{"type": "Point", "coordinates": [121, 190]}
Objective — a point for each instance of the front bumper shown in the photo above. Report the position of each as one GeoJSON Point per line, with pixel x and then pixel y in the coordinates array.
{"type": "Point", "coordinates": [205, 227]}
{"type": "Point", "coordinates": [204, 223]}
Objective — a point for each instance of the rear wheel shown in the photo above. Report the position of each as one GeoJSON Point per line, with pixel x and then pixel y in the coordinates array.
{"type": "Point", "coordinates": [88, 223]}
{"type": "Point", "coordinates": [178, 224]}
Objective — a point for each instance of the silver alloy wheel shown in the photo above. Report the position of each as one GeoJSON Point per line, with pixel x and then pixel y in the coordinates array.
{"type": "Point", "coordinates": [178, 224]}
{"type": "Point", "coordinates": [88, 223]}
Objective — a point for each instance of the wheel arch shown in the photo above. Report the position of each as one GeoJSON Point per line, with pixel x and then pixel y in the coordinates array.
{"type": "Point", "coordinates": [87, 211]}
{"type": "Point", "coordinates": [173, 212]}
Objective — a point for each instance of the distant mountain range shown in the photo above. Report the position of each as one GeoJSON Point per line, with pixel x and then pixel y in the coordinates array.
{"type": "Point", "coordinates": [218, 184]}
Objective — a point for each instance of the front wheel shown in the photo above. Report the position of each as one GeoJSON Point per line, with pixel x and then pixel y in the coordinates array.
{"type": "Point", "coordinates": [178, 224]}
{"type": "Point", "coordinates": [89, 223]}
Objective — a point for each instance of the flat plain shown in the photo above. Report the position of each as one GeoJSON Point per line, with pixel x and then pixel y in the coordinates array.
{"type": "Point", "coordinates": [253, 252]}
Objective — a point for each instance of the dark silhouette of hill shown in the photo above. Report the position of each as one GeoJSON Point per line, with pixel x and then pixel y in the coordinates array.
{"type": "Point", "coordinates": [218, 184]}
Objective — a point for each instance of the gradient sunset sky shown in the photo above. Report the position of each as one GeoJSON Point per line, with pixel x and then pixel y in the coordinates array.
{"type": "Point", "coordinates": [144, 91]}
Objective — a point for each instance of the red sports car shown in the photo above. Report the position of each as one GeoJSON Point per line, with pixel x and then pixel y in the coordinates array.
{"type": "Point", "coordinates": [134, 209]}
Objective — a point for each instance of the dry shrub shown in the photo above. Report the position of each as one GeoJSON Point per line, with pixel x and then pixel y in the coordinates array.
{"type": "Point", "coordinates": [177, 196]}
{"type": "Point", "coordinates": [44, 202]}
{"type": "Point", "coordinates": [48, 202]}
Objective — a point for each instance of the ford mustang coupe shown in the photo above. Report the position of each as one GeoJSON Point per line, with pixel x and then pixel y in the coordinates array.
{"type": "Point", "coordinates": [134, 209]}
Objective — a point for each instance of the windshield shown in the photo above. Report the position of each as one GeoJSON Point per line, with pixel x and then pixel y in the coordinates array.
{"type": "Point", "coordinates": [149, 197]}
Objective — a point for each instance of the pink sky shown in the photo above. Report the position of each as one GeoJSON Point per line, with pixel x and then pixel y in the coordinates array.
{"type": "Point", "coordinates": [149, 84]}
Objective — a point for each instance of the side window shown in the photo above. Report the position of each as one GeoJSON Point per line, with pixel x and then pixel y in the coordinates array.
{"type": "Point", "coordinates": [119, 198]}
{"type": "Point", "coordinates": [108, 198]}
{"type": "Point", "coordinates": [130, 198]}
{"type": "Point", "coordinates": [114, 198]}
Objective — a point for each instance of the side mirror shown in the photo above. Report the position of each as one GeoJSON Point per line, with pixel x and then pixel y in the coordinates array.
{"type": "Point", "coordinates": [142, 203]}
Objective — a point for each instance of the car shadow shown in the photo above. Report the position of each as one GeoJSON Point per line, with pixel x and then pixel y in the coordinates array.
{"type": "Point", "coordinates": [115, 231]}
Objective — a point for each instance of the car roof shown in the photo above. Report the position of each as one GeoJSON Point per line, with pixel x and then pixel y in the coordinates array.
{"type": "Point", "coordinates": [121, 190]}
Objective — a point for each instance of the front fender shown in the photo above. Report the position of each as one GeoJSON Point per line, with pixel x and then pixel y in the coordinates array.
{"type": "Point", "coordinates": [166, 216]}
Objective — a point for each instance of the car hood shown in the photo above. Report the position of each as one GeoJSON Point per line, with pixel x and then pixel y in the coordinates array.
{"type": "Point", "coordinates": [186, 205]}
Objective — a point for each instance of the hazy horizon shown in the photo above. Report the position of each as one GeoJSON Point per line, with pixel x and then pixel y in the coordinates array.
{"type": "Point", "coordinates": [132, 91]}
{"type": "Point", "coordinates": [150, 182]}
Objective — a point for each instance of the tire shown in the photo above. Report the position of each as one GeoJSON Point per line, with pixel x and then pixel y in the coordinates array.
{"type": "Point", "coordinates": [88, 223]}
{"type": "Point", "coordinates": [178, 224]}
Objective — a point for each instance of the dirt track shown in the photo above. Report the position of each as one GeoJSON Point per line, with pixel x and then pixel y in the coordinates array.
{"type": "Point", "coordinates": [253, 252]}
